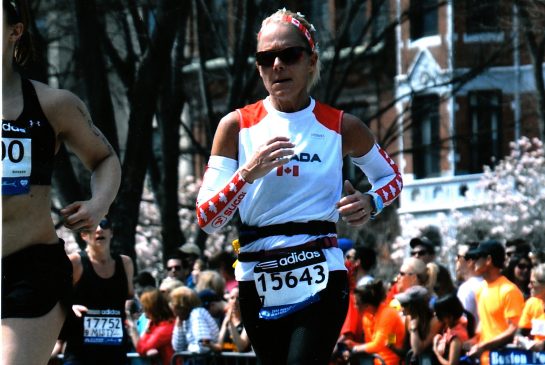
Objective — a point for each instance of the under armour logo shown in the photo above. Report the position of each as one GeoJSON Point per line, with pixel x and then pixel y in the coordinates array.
{"type": "Point", "coordinates": [36, 122]}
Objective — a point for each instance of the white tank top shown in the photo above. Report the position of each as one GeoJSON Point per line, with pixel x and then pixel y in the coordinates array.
{"type": "Point", "coordinates": [306, 188]}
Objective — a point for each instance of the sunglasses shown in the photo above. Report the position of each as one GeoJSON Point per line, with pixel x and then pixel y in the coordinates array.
{"type": "Point", "coordinates": [174, 268]}
{"type": "Point", "coordinates": [524, 266]}
{"type": "Point", "coordinates": [402, 273]}
{"type": "Point", "coordinates": [105, 224]}
{"type": "Point", "coordinates": [288, 56]}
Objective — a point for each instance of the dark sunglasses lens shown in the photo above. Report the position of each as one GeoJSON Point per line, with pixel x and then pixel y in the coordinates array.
{"type": "Point", "coordinates": [104, 224]}
{"type": "Point", "coordinates": [289, 56]}
{"type": "Point", "coordinates": [265, 59]}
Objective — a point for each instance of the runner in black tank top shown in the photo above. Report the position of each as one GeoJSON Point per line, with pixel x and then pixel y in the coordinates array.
{"type": "Point", "coordinates": [99, 336]}
{"type": "Point", "coordinates": [100, 293]}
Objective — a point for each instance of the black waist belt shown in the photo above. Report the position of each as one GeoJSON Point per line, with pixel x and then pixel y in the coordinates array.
{"type": "Point", "coordinates": [249, 234]}
{"type": "Point", "coordinates": [324, 242]}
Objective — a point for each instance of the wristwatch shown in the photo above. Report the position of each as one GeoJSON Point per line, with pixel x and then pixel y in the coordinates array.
{"type": "Point", "coordinates": [376, 202]}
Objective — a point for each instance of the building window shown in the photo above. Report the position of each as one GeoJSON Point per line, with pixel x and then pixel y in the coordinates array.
{"type": "Point", "coordinates": [423, 18]}
{"type": "Point", "coordinates": [485, 124]}
{"type": "Point", "coordinates": [482, 16]}
{"type": "Point", "coordinates": [425, 136]}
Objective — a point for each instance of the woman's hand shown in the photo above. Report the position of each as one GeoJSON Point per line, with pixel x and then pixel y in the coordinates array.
{"type": "Point", "coordinates": [537, 346]}
{"type": "Point", "coordinates": [438, 345]}
{"type": "Point", "coordinates": [274, 153]}
{"type": "Point", "coordinates": [475, 351]}
{"type": "Point", "coordinates": [152, 352]}
{"type": "Point", "coordinates": [79, 310]}
{"type": "Point", "coordinates": [355, 208]}
{"type": "Point", "coordinates": [82, 215]}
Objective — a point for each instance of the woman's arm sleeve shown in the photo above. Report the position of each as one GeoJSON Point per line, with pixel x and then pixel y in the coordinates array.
{"type": "Point", "coordinates": [222, 190]}
{"type": "Point", "coordinates": [153, 340]}
{"type": "Point", "coordinates": [383, 174]}
{"type": "Point", "coordinates": [179, 342]}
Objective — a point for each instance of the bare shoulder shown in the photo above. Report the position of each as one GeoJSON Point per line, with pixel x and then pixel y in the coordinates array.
{"type": "Point", "coordinates": [52, 98]}
{"type": "Point", "coordinates": [77, 266]}
{"type": "Point", "coordinates": [357, 138]}
{"type": "Point", "coordinates": [230, 122]}
{"type": "Point", "coordinates": [127, 261]}
{"type": "Point", "coordinates": [226, 137]}
{"type": "Point", "coordinates": [75, 258]}
{"type": "Point", "coordinates": [58, 104]}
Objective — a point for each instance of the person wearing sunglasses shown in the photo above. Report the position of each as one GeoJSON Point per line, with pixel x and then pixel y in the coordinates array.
{"type": "Point", "coordinates": [103, 287]}
{"type": "Point", "coordinates": [36, 120]}
{"type": "Point", "coordinates": [531, 331]}
{"type": "Point", "coordinates": [279, 163]}
{"type": "Point", "coordinates": [499, 302]}
{"type": "Point", "coordinates": [518, 271]}
{"type": "Point", "coordinates": [175, 268]}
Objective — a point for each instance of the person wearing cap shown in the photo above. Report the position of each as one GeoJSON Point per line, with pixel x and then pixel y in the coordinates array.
{"type": "Point", "coordinates": [420, 322]}
{"type": "Point", "coordinates": [189, 253]}
{"type": "Point", "coordinates": [469, 281]}
{"type": "Point", "coordinates": [499, 301]}
{"type": "Point", "coordinates": [422, 248]}
{"type": "Point", "coordinates": [213, 303]}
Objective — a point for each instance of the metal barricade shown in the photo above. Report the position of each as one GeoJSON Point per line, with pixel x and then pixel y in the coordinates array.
{"type": "Point", "coordinates": [133, 357]}
{"type": "Point", "coordinates": [213, 358]}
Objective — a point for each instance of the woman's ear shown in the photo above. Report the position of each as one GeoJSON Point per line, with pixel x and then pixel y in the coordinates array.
{"type": "Point", "coordinates": [313, 60]}
{"type": "Point", "coordinates": [16, 31]}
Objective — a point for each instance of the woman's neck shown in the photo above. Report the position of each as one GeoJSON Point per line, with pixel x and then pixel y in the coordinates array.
{"type": "Point", "coordinates": [10, 81]}
{"type": "Point", "coordinates": [100, 256]}
{"type": "Point", "coordinates": [290, 105]}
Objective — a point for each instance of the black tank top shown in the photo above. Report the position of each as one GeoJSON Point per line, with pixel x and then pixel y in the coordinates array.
{"type": "Point", "coordinates": [28, 146]}
{"type": "Point", "coordinates": [99, 337]}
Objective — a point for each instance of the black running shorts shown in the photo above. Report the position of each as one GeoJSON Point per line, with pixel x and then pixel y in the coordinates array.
{"type": "Point", "coordinates": [34, 280]}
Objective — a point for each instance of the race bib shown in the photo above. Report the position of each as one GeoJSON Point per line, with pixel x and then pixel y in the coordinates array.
{"type": "Point", "coordinates": [290, 282]}
{"type": "Point", "coordinates": [16, 165]}
{"type": "Point", "coordinates": [103, 327]}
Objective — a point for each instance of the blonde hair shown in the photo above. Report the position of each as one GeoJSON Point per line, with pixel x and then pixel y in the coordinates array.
{"type": "Point", "coordinates": [433, 270]}
{"type": "Point", "coordinates": [418, 267]}
{"type": "Point", "coordinates": [169, 283]}
{"type": "Point", "coordinates": [279, 17]}
{"type": "Point", "coordinates": [184, 297]}
{"type": "Point", "coordinates": [210, 279]}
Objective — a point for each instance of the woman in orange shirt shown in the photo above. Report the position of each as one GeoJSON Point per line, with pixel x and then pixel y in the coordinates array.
{"type": "Point", "coordinates": [382, 324]}
{"type": "Point", "coordinates": [531, 333]}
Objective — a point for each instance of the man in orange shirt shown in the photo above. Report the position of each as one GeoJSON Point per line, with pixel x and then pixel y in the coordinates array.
{"type": "Point", "coordinates": [499, 301]}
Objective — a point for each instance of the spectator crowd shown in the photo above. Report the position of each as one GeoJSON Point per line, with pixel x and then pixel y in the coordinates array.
{"type": "Point", "coordinates": [494, 300]}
